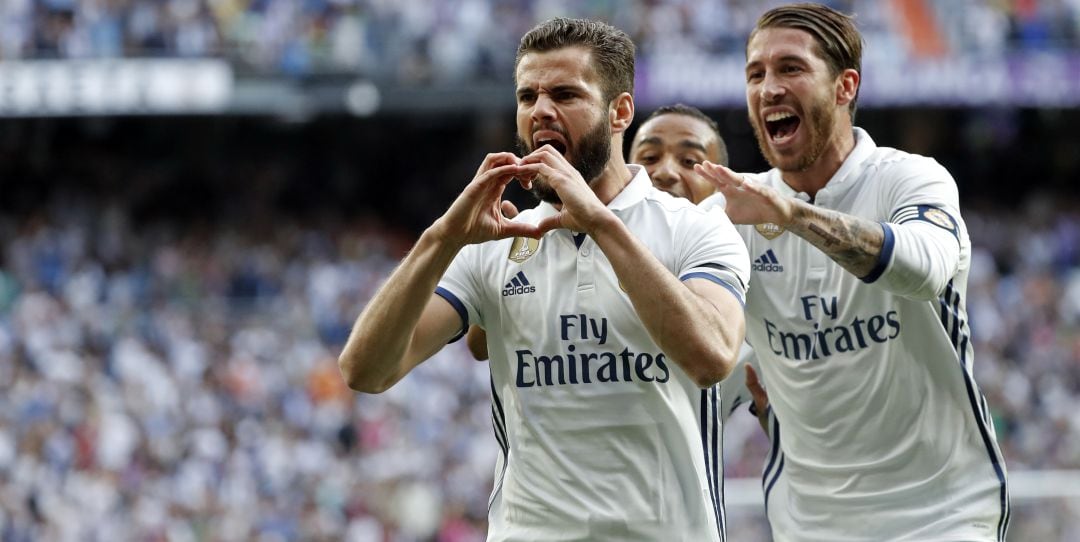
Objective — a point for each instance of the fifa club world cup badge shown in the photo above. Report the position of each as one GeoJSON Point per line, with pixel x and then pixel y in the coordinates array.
{"type": "Point", "coordinates": [769, 230]}
{"type": "Point", "coordinates": [523, 248]}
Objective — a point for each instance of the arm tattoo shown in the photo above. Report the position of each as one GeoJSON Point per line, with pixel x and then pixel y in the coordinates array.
{"type": "Point", "coordinates": [852, 242]}
{"type": "Point", "coordinates": [829, 238]}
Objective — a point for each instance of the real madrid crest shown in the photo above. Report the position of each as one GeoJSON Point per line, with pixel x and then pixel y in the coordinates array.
{"type": "Point", "coordinates": [769, 230]}
{"type": "Point", "coordinates": [939, 217]}
{"type": "Point", "coordinates": [523, 248]}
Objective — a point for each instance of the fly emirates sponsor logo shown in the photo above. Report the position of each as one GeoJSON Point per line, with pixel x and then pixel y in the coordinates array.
{"type": "Point", "coordinates": [587, 358]}
{"type": "Point", "coordinates": [830, 335]}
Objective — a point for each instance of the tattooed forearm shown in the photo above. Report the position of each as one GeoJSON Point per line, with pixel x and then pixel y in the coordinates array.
{"type": "Point", "coordinates": [828, 238]}
{"type": "Point", "coordinates": [852, 242]}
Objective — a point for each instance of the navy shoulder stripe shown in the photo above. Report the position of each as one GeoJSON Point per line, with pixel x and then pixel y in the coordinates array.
{"type": "Point", "coordinates": [458, 306]}
{"type": "Point", "coordinates": [698, 275]}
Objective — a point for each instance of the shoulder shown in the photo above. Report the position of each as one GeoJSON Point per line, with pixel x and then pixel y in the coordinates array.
{"type": "Point", "coordinates": [662, 201]}
{"type": "Point", "coordinates": [715, 201]}
{"type": "Point", "coordinates": [898, 164]}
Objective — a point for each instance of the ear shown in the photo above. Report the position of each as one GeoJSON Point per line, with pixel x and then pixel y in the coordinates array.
{"type": "Point", "coordinates": [847, 86]}
{"type": "Point", "coordinates": [621, 113]}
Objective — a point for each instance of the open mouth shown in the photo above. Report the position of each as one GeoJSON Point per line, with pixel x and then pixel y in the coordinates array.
{"type": "Point", "coordinates": [556, 144]}
{"type": "Point", "coordinates": [549, 137]}
{"type": "Point", "coordinates": [781, 125]}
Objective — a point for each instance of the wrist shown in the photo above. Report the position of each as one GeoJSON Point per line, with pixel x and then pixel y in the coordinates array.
{"type": "Point", "coordinates": [796, 209]}
{"type": "Point", "coordinates": [438, 235]}
{"type": "Point", "coordinates": [603, 221]}
{"type": "Point", "coordinates": [606, 226]}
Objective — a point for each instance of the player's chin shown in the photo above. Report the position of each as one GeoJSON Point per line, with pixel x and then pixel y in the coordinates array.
{"type": "Point", "coordinates": [675, 192]}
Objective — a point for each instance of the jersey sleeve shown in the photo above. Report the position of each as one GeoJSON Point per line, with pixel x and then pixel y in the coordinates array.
{"type": "Point", "coordinates": [461, 287]}
{"type": "Point", "coordinates": [924, 234]}
{"type": "Point", "coordinates": [710, 248]}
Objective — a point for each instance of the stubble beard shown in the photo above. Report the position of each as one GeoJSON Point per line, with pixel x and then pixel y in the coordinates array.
{"type": "Point", "coordinates": [591, 155]}
{"type": "Point", "coordinates": [818, 121]}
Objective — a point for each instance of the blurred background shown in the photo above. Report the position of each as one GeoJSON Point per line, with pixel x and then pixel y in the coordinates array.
{"type": "Point", "coordinates": [197, 197]}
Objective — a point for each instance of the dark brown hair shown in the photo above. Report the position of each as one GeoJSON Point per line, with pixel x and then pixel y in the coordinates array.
{"type": "Point", "coordinates": [612, 50]}
{"type": "Point", "coordinates": [839, 43]}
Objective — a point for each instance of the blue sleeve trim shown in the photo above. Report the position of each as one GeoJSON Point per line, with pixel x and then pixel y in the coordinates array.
{"type": "Point", "coordinates": [459, 307]}
{"type": "Point", "coordinates": [706, 276]}
{"type": "Point", "coordinates": [886, 254]}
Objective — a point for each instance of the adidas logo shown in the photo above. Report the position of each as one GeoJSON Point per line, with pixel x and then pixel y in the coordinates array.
{"type": "Point", "coordinates": [519, 285]}
{"type": "Point", "coordinates": [767, 263]}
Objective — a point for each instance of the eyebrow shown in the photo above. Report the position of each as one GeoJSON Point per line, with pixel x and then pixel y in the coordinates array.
{"type": "Point", "coordinates": [686, 143]}
{"type": "Point", "coordinates": [552, 90]}
{"type": "Point", "coordinates": [689, 143]}
{"type": "Point", "coordinates": [785, 58]}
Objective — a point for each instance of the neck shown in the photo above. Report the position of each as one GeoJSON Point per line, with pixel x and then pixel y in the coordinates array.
{"type": "Point", "coordinates": [613, 179]}
{"type": "Point", "coordinates": [815, 177]}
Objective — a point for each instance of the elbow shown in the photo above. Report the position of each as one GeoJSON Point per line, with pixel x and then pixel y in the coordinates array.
{"type": "Point", "coordinates": [709, 378]}
{"type": "Point", "coordinates": [357, 379]}
{"type": "Point", "coordinates": [717, 369]}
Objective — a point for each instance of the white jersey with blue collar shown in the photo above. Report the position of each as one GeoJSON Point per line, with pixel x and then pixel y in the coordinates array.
{"type": "Point", "coordinates": [603, 437]}
{"type": "Point", "coordinates": [881, 432]}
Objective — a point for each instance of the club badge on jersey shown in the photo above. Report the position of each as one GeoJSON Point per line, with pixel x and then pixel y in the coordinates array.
{"type": "Point", "coordinates": [523, 248]}
{"type": "Point", "coordinates": [769, 230]}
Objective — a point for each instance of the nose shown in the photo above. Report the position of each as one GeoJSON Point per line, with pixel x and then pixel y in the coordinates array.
{"type": "Point", "coordinates": [771, 88]}
{"type": "Point", "coordinates": [543, 108]}
{"type": "Point", "coordinates": [664, 173]}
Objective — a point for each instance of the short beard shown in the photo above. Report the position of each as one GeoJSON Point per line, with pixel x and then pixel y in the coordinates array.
{"type": "Point", "coordinates": [820, 126]}
{"type": "Point", "coordinates": [591, 155]}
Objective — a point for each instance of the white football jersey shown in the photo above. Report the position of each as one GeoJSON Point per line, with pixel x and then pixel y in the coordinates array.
{"type": "Point", "coordinates": [603, 436]}
{"type": "Point", "coordinates": [881, 432]}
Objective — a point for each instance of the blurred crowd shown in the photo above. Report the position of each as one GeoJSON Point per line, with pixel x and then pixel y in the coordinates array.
{"type": "Point", "coordinates": [168, 384]}
{"type": "Point", "coordinates": [422, 41]}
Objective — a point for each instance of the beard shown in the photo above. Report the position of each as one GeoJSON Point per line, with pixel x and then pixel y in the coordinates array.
{"type": "Point", "coordinates": [817, 121]}
{"type": "Point", "coordinates": [591, 155]}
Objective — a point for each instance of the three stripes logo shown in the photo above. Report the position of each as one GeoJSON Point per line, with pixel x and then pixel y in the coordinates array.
{"type": "Point", "coordinates": [767, 263]}
{"type": "Point", "coordinates": [519, 285]}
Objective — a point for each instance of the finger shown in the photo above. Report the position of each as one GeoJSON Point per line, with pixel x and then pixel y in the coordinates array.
{"type": "Point", "coordinates": [497, 159]}
{"type": "Point", "coordinates": [546, 154]}
{"type": "Point", "coordinates": [720, 175]}
{"type": "Point", "coordinates": [500, 175]}
{"type": "Point", "coordinates": [543, 150]}
{"type": "Point", "coordinates": [520, 229]}
{"type": "Point", "coordinates": [549, 223]}
{"type": "Point", "coordinates": [488, 187]}
{"type": "Point", "coordinates": [536, 169]}
{"type": "Point", "coordinates": [756, 389]}
{"type": "Point", "coordinates": [509, 210]}
{"type": "Point", "coordinates": [525, 179]}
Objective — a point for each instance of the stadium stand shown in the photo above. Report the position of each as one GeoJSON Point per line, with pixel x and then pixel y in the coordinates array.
{"type": "Point", "coordinates": [174, 290]}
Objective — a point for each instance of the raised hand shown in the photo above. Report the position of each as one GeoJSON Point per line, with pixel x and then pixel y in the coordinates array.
{"type": "Point", "coordinates": [477, 215]}
{"type": "Point", "coordinates": [747, 202]}
{"type": "Point", "coordinates": [581, 208]}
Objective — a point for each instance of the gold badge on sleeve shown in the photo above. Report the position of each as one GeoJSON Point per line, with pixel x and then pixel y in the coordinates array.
{"type": "Point", "coordinates": [939, 217]}
{"type": "Point", "coordinates": [523, 248]}
{"type": "Point", "coordinates": [769, 230]}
